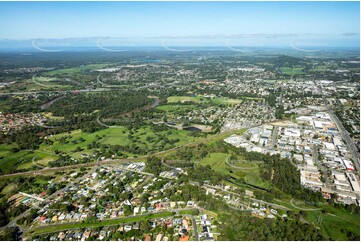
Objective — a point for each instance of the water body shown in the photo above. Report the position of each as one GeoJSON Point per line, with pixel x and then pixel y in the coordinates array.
{"type": "Point", "coordinates": [191, 128]}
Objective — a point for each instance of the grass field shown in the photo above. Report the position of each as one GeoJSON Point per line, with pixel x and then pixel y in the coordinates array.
{"type": "Point", "coordinates": [7, 190]}
{"type": "Point", "coordinates": [319, 68]}
{"type": "Point", "coordinates": [118, 136]}
{"type": "Point", "coordinates": [189, 211]}
{"type": "Point", "coordinates": [45, 83]}
{"type": "Point", "coordinates": [245, 165]}
{"type": "Point", "coordinates": [290, 70]}
{"type": "Point", "coordinates": [250, 174]}
{"type": "Point", "coordinates": [109, 136]}
{"type": "Point", "coordinates": [334, 220]}
{"type": "Point", "coordinates": [113, 222]}
{"type": "Point", "coordinates": [21, 159]}
{"type": "Point", "coordinates": [217, 161]}
{"type": "Point", "coordinates": [201, 99]}
{"type": "Point", "coordinates": [175, 107]}
{"type": "Point", "coordinates": [75, 69]}
{"type": "Point", "coordinates": [330, 222]}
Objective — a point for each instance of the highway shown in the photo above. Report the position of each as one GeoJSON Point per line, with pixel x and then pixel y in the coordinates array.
{"type": "Point", "coordinates": [59, 92]}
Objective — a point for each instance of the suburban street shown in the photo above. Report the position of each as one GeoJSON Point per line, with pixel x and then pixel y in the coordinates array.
{"type": "Point", "coordinates": [314, 150]}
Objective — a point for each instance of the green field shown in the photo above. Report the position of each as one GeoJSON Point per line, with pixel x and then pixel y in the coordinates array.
{"type": "Point", "coordinates": [75, 69]}
{"type": "Point", "coordinates": [109, 136]}
{"type": "Point", "coordinates": [118, 136]}
{"type": "Point", "coordinates": [45, 83]}
{"type": "Point", "coordinates": [319, 68]}
{"type": "Point", "coordinates": [8, 189]}
{"type": "Point", "coordinates": [250, 173]}
{"type": "Point", "coordinates": [292, 71]}
{"type": "Point", "coordinates": [175, 107]}
{"type": "Point", "coordinates": [189, 211]}
{"type": "Point", "coordinates": [113, 222]}
{"type": "Point", "coordinates": [334, 220]}
{"type": "Point", "coordinates": [201, 99]}
{"type": "Point", "coordinates": [244, 165]}
{"type": "Point", "coordinates": [21, 159]}
{"type": "Point", "coordinates": [217, 161]}
{"type": "Point", "coordinates": [331, 221]}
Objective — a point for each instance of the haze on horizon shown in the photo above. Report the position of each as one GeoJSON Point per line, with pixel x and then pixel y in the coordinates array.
{"type": "Point", "coordinates": [262, 24]}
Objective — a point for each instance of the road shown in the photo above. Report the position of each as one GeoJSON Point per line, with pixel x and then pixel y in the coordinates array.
{"type": "Point", "coordinates": [48, 104]}
{"type": "Point", "coordinates": [303, 209]}
{"type": "Point", "coordinates": [274, 136]}
{"type": "Point", "coordinates": [59, 92]}
{"type": "Point", "coordinates": [316, 161]}
{"type": "Point", "coordinates": [194, 223]}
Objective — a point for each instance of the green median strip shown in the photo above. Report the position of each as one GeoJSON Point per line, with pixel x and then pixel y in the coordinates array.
{"type": "Point", "coordinates": [110, 222]}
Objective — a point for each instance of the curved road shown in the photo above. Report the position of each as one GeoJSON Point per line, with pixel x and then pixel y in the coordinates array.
{"type": "Point", "coordinates": [303, 209]}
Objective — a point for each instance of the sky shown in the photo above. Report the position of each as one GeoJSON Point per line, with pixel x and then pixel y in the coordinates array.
{"type": "Point", "coordinates": [335, 23]}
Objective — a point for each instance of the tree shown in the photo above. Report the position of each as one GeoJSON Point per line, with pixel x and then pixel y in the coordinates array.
{"type": "Point", "coordinates": [144, 226]}
{"type": "Point", "coordinates": [10, 234]}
